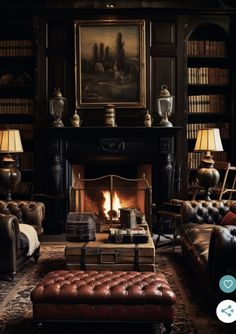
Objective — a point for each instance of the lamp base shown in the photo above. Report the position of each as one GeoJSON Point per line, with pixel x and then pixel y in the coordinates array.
{"type": "Point", "coordinates": [10, 176]}
{"type": "Point", "coordinates": [208, 177]}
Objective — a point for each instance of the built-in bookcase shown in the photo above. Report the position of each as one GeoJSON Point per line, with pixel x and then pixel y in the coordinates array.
{"type": "Point", "coordinates": [17, 92]}
{"type": "Point", "coordinates": [208, 88]}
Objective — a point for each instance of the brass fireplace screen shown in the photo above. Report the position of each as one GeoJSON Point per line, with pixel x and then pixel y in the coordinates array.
{"type": "Point", "coordinates": [105, 195]}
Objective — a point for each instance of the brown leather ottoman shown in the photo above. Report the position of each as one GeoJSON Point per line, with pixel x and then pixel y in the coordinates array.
{"type": "Point", "coordinates": [104, 296]}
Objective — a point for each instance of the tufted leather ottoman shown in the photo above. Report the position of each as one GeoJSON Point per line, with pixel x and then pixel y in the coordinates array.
{"type": "Point", "coordinates": [104, 296]}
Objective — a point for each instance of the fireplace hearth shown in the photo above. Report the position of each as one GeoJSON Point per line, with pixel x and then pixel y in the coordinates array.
{"type": "Point", "coordinates": [122, 151]}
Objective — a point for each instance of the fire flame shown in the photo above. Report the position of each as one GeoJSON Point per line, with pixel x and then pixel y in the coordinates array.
{"type": "Point", "coordinates": [116, 203]}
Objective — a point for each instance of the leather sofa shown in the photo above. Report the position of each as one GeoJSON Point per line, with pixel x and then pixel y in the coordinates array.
{"type": "Point", "coordinates": [209, 247]}
{"type": "Point", "coordinates": [14, 244]}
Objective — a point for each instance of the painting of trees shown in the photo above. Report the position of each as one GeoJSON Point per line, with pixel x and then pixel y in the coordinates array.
{"type": "Point", "coordinates": [111, 58]}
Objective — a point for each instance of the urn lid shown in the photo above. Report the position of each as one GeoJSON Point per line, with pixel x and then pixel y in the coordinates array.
{"type": "Point", "coordinates": [57, 92]}
{"type": "Point", "coordinates": [164, 91]}
{"type": "Point", "coordinates": [147, 116]}
{"type": "Point", "coordinates": [75, 116]}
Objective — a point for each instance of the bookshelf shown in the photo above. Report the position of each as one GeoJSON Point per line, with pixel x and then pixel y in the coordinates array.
{"type": "Point", "coordinates": [208, 92]}
{"type": "Point", "coordinates": [17, 93]}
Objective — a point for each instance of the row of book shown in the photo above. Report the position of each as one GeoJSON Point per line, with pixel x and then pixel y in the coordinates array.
{"type": "Point", "coordinates": [194, 158]}
{"type": "Point", "coordinates": [25, 188]}
{"type": "Point", "coordinates": [16, 48]}
{"type": "Point", "coordinates": [212, 103]}
{"type": "Point", "coordinates": [26, 160]}
{"type": "Point", "coordinates": [208, 76]}
{"type": "Point", "coordinates": [206, 48]}
{"type": "Point", "coordinates": [26, 129]}
{"type": "Point", "coordinates": [13, 79]}
{"type": "Point", "coordinates": [16, 106]}
{"type": "Point", "coordinates": [193, 128]}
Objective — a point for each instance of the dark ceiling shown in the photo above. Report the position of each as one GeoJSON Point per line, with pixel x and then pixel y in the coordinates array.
{"type": "Point", "coordinates": [161, 3]}
{"type": "Point", "coordinates": [46, 4]}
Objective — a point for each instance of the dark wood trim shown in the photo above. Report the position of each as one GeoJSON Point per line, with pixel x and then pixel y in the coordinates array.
{"type": "Point", "coordinates": [126, 146]}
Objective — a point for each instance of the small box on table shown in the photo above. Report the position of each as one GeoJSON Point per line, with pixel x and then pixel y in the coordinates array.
{"type": "Point", "coordinates": [80, 226]}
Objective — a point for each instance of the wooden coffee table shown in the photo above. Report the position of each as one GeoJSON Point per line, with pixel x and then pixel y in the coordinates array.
{"type": "Point", "coordinates": [104, 255]}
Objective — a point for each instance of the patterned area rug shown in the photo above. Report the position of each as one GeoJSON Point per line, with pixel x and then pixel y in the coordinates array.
{"type": "Point", "coordinates": [16, 307]}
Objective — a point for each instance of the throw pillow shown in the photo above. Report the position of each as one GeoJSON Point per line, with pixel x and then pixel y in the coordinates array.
{"type": "Point", "coordinates": [233, 208]}
{"type": "Point", "coordinates": [229, 219]}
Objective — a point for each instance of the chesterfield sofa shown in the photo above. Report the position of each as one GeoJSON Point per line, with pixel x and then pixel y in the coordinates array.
{"type": "Point", "coordinates": [18, 221]}
{"type": "Point", "coordinates": [209, 240]}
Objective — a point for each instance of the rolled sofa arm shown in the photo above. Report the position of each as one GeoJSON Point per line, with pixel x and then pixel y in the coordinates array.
{"type": "Point", "coordinates": [9, 244]}
{"type": "Point", "coordinates": [27, 212]}
{"type": "Point", "coordinates": [222, 252]}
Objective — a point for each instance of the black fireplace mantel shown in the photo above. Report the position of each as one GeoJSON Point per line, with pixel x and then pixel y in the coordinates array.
{"type": "Point", "coordinates": [59, 148]}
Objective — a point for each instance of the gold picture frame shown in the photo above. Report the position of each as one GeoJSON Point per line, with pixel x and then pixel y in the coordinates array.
{"type": "Point", "coordinates": [110, 64]}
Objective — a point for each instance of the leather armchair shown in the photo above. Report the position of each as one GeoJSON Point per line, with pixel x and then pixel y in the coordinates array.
{"type": "Point", "coordinates": [14, 244]}
{"type": "Point", "coordinates": [209, 247]}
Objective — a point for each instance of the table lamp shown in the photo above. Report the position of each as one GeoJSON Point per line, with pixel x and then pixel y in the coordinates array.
{"type": "Point", "coordinates": [10, 176]}
{"type": "Point", "coordinates": [208, 177]}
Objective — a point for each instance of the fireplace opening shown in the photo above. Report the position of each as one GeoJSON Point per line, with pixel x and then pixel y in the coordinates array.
{"type": "Point", "coordinates": [105, 194]}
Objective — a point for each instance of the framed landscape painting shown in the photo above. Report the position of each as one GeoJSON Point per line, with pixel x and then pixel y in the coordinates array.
{"type": "Point", "coordinates": [110, 63]}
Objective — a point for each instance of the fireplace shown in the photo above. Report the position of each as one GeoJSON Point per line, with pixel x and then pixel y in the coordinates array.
{"type": "Point", "coordinates": [94, 152]}
{"type": "Point", "coordinates": [106, 195]}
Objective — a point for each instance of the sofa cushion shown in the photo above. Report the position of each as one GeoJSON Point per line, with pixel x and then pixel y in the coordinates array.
{"type": "Point", "coordinates": [198, 236]}
{"type": "Point", "coordinates": [228, 219]}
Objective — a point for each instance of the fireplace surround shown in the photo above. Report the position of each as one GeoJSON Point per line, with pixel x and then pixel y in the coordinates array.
{"type": "Point", "coordinates": [59, 149]}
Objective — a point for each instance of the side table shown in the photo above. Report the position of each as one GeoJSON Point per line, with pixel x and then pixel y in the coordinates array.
{"type": "Point", "coordinates": [175, 219]}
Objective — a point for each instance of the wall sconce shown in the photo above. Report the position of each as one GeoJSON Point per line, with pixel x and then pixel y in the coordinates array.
{"type": "Point", "coordinates": [164, 105]}
{"type": "Point", "coordinates": [10, 176]}
{"type": "Point", "coordinates": [208, 177]}
{"type": "Point", "coordinates": [57, 105]}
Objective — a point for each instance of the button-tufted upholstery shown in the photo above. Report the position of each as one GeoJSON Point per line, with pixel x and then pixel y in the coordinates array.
{"type": "Point", "coordinates": [13, 244]}
{"type": "Point", "coordinates": [27, 212]}
{"type": "Point", "coordinates": [104, 295]}
{"type": "Point", "coordinates": [205, 212]}
{"type": "Point", "coordinates": [104, 287]}
{"type": "Point", "coordinates": [210, 248]}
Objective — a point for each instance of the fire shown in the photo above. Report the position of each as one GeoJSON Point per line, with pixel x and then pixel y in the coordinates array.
{"type": "Point", "coordinates": [111, 210]}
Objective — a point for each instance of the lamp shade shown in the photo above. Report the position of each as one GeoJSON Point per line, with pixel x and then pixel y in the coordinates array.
{"type": "Point", "coordinates": [208, 140]}
{"type": "Point", "coordinates": [10, 141]}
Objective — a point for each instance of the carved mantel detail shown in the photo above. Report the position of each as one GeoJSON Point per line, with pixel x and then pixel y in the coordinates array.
{"type": "Point", "coordinates": [67, 146]}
